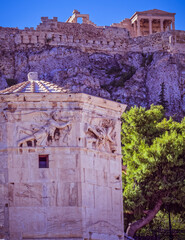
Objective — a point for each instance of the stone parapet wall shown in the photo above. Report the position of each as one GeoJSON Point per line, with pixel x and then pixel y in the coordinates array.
{"type": "Point", "coordinates": [91, 39]}
{"type": "Point", "coordinates": [177, 41]}
{"type": "Point", "coordinates": [84, 36]}
{"type": "Point", "coordinates": [180, 36]}
{"type": "Point", "coordinates": [171, 41]}
{"type": "Point", "coordinates": [57, 39]}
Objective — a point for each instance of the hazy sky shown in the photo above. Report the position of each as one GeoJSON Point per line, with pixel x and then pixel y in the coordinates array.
{"type": "Point", "coordinates": [27, 13]}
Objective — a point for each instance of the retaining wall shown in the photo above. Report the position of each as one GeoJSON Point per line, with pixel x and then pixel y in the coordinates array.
{"type": "Point", "coordinates": [88, 38]}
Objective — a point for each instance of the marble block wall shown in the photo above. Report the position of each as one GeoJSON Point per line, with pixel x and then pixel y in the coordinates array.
{"type": "Point", "coordinates": [60, 167]}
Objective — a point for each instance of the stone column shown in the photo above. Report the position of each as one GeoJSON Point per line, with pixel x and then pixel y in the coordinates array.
{"type": "Point", "coordinates": [173, 25]}
{"type": "Point", "coordinates": [74, 20]}
{"type": "Point", "coordinates": [170, 26]}
{"type": "Point", "coordinates": [150, 25]}
{"type": "Point", "coordinates": [135, 29]}
{"type": "Point", "coordinates": [138, 27]}
{"type": "Point", "coordinates": [161, 23]}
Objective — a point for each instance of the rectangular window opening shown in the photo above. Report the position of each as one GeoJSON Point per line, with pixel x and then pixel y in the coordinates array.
{"type": "Point", "coordinates": [43, 161]}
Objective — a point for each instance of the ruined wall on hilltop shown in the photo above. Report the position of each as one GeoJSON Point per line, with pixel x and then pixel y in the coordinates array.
{"type": "Point", "coordinates": [86, 37]}
{"type": "Point", "coordinates": [89, 38]}
{"type": "Point", "coordinates": [102, 61]}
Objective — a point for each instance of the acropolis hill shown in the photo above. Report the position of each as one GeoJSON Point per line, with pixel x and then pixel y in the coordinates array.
{"type": "Point", "coordinates": [125, 62]}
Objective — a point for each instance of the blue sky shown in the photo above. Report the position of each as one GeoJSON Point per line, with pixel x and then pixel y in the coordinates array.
{"type": "Point", "coordinates": [27, 13]}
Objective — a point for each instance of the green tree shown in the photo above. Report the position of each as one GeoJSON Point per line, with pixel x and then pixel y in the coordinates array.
{"type": "Point", "coordinates": [162, 100]}
{"type": "Point", "coordinates": [161, 222]}
{"type": "Point", "coordinates": [154, 156]}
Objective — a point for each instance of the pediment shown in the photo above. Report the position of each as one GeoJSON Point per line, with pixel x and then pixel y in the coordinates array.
{"type": "Point", "coordinates": [154, 12]}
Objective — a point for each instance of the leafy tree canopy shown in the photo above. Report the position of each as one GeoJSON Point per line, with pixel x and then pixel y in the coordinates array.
{"type": "Point", "coordinates": [154, 154]}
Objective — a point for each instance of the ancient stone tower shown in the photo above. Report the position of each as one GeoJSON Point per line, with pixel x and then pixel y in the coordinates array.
{"type": "Point", "coordinates": [60, 164]}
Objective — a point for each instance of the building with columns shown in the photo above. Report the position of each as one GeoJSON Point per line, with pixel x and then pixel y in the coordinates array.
{"type": "Point", "coordinates": [152, 21]}
{"type": "Point", "coordinates": [140, 24]}
{"type": "Point", "coordinates": [148, 22]}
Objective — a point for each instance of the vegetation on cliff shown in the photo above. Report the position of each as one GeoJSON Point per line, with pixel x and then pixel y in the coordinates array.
{"type": "Point", "coordinates": [154, 158]}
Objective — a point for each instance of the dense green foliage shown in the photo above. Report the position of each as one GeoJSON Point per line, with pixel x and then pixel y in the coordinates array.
{"type": "Point", "coordinates": [154, 153]}
{"type": "Point", "coordinates": [161, 222]}
{"type": "Point", "coordinates": [162, 100]}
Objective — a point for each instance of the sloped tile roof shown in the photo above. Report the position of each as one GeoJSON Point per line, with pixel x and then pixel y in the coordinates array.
{"type": "Point", "coordinates": [34, 86]}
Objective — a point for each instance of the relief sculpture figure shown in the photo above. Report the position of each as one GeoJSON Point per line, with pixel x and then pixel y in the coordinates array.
{"type": "Point", "coordinates": [102, 137]}
{"type": "Point", "coordinates": [42, 134]}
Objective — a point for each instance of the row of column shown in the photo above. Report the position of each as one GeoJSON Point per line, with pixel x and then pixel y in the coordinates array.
{"type": "Point", "coordinates": [150, 25]}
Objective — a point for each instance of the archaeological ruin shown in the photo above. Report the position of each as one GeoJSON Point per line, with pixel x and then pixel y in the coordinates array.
{"type": "Point", "coordinates": [148, 22]}
{"type": "Point", "coordinates": [60, 150]}
{"type": "Point", "coordinates": [60, 164]}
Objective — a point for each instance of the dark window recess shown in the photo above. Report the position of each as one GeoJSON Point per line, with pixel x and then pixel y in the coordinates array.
{"type": "Point", "coordinates": [57, 134]}
{"type": "Point", "coordinates": [29, 143]}
{"type": "Point", "coordinates": [43, 161]}
{"type": "Point", "coordinates": [49, 138]}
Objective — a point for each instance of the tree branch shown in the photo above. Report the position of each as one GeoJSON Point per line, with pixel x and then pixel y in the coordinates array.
{"type": "Point", "coordinates": [135, 226]}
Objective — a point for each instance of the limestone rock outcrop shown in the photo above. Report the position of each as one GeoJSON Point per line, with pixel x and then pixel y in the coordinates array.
{"type": "Point", "coordinates": [101, 61]}
{"type": "Point", "coordinates": [132, 78]}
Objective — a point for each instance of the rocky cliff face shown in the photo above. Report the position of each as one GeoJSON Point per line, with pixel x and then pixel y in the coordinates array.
{"type": "Point", "coordinates": [133, 78]}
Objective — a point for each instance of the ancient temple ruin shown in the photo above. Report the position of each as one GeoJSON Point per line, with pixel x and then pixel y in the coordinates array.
{"type": "Point", "coordinates": [60, 158]}
{"type": "Point", "coordinates": [148, 22]}
{"type": "Point", "coordinates": [127, 36]}
{"type": "Point", "coordinates": [140, 24]}
{"type": "Point", "coordinates": [76, 15]}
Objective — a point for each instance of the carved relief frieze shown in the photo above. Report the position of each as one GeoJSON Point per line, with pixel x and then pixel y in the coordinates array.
{"type": "Point", "coordinates": [51, 130]}
{"type": "Point", "coordinates": [102, 136]}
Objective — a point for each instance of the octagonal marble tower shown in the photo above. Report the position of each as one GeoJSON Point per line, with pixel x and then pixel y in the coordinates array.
{"type": "Point", "coordinates": [60, 164]}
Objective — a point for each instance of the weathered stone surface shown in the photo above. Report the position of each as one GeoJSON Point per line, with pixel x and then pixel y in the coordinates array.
{"type": "Point", "coordinates": [101, 61]}
{"type": "Point", "coordinates": [73, 194]}
{"type": "Point", "coordinates": [80, 195]}
{"type": "Point", "coordinates": [131, 78]}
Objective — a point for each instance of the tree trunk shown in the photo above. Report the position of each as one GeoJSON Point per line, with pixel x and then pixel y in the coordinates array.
{"type": "Point", "coordinates": [170, 225]}
{"type": "Point", "coordinates": [135, 226]}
